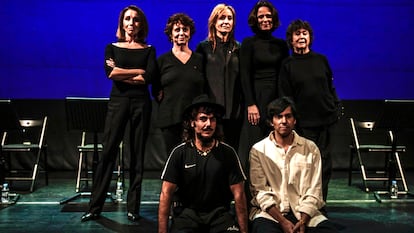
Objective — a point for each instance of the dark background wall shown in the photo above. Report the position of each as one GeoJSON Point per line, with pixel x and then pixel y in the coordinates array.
{"type": "Point", "coordinates": [63, 142]}
{"type": "Point", "coordinates": [50, 50]}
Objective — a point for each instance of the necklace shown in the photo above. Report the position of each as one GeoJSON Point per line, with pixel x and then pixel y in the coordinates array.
{"type": "Point", "coordinates": [206, 152]}
{"type": "Point", "coordinates": [203, 153]}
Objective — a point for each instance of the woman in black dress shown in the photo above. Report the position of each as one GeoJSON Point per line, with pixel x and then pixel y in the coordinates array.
{"type": "Point", "coordinates": [261, 57]}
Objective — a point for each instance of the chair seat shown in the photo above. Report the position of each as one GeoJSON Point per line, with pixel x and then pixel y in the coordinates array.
{"type": "Point", "coordinates": [378, 148]}
{"type": "Point", "coordinates": [20, 147]}
{"type": "Point", "coordinates": [83, 167]}
{"type": "Point", "coordinates": [89, 148]}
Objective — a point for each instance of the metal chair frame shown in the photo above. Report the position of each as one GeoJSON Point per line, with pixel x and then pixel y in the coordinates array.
{"type": "Point", "coordinates": [37, 146]}
{"type": "Point", "coordinates": [358, 149]}
{"type": "Point", "coordinates": [83, 167]}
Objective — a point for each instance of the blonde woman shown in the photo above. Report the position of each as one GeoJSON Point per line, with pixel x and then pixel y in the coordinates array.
{"type": "Point", "coordinates": [221, 58]}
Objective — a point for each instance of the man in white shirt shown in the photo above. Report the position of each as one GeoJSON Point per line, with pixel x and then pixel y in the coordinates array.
{"type": "Point", "coordinates": [285, 177]}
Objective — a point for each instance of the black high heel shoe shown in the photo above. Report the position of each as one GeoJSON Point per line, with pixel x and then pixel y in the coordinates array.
{"type": "Point", "coordinates": [89, 216]}
{"type": "Point", "coordinates": [133, 217]}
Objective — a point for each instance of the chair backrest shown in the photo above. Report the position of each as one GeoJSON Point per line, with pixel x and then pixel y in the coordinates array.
{"type": "Point", "coordinates": [364, 132]}
{"type": "Point", "coordinates": [366, 125]}
{"type": "Point", "coordinates": [31, 132]}
{"type": "Point", "coordinates": [86, 114]}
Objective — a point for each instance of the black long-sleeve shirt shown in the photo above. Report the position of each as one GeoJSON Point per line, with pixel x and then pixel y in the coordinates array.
{"type": "Point", "coordinates": [260, 59]}
{"type": "Point", "coordinates": [223, 74]}
{"type": "Point", "coordinates": [308, 79]}
{"type": "Point", "coordinates": [144, 58]}
{"type": "Point", "coordinates": [180, 83]}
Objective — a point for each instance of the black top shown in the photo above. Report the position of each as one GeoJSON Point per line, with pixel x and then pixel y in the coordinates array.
{"type": "Point", "coordinates": [203, 181]}
{"type": "Point", "coordinates": [223, 75]}
{"type": "Point", "coordinates": [181, 83]}
{"type": "Point", "coordinates": [260, 59]}
{"type": "Point", "coordinates": [126, 58]}
{"type": "Point", "coordinates": [307, 78]}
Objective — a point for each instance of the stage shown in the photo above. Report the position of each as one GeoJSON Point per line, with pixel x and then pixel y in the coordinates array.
{"type": "Point", "coordinates": [349, 207]}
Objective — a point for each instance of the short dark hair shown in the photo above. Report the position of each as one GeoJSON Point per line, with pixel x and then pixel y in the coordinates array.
{"type": "Point", "coordinates": [182, 18]}
{"type": "Point", "coordinates": [279, 105]}
{"type": "Point", "coordinates": [252, 20]}
{"type": "Point", "coordinates": [296, 25]}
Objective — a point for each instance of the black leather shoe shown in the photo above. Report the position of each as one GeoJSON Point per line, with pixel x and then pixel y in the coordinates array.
{"type": "Point", "coordinates": [133, 217]}
{"type": "Point", "coordinates": [89, 216]}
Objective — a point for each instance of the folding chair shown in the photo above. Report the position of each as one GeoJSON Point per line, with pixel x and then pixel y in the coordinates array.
{"type": "Point", "coordinates": [88, 116]}
{"type": "Point", "coordinates": [368, 141]}
{"type": "Point", "coordinates": [28, 138]}
{"type": "Point", "coordinates": [84, 168]}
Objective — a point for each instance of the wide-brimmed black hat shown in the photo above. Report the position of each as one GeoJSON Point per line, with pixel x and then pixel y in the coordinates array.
{"type": "Point", "coordinates": [203, 100]}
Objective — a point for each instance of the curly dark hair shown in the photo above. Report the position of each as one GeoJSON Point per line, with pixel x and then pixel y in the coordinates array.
{"type": "Point", "coordinates": [182, 18]}
{"type": "Point", "coordinates": [296, 25]}
{"type": "Point", "coordinates": [188, 132]}
{"type": "Point", "coordinates": [252, 20]}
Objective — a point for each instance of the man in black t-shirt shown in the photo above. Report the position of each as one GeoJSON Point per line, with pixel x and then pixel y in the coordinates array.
{"type": "Point", "coordinates": [202, 176]}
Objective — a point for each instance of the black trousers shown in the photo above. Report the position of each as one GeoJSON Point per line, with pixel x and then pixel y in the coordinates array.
{"type": "Point", "coordinates": [231, 130]}
{"type": "Point", "coordinates": [122, 112]}
{"type": "Point", "coordinates": [172, 136]}
{"type": "Point", "coordinates": [3, 168]}
{"type": "Point", "coordinates": [219, 220]}
{"type": "Point", "coordinates": [263, 225]}
{"type": "Point", "coordinates": [249, 135]}
{"type": "Point", "coordinates": [266, 91]}
{"type": "Point", "coordinates": [322, 136]}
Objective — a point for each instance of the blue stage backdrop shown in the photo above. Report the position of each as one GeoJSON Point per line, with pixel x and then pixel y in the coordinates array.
{"type": "Point", "coordinates": [53, 49]}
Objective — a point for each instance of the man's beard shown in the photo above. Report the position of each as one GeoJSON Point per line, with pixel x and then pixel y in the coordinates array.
{"type": "Point", "coordinates": [205, 141]}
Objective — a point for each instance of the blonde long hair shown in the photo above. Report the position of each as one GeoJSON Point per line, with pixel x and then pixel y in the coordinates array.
{"type": "Point", "coordinates": [215, 13]}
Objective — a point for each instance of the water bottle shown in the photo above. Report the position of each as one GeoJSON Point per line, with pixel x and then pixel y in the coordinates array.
{"type": "Point", "coordinates": [394, 190]}
{"type": "Point", "coordinates": [5, 193]}
{"type": "Point", "coordinates": [119, 191]}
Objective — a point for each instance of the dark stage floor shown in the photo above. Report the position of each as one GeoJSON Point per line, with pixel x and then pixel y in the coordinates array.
{"type": "Point", "coordinates": [351, 209]}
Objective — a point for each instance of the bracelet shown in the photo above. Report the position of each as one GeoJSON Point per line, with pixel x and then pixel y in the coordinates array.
{"type": "Point", "coordinates": [301, 222]}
